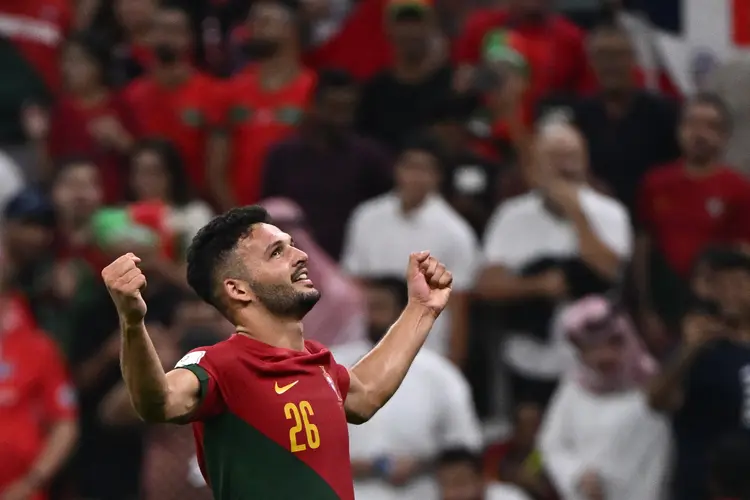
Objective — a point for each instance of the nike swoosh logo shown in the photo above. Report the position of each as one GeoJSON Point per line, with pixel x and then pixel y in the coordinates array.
{"type": "Point", "coordinates": [282, 390]}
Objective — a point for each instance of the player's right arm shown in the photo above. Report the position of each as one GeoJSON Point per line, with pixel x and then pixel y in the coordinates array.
{"type": "Point", "coordinates": [156, 396]}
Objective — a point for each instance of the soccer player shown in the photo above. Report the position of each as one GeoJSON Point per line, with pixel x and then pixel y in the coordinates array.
{"type": "Point", "coordinates": [269, 408]}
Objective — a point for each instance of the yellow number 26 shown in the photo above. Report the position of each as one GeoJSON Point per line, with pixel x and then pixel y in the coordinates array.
{"type": "Point", "coordinates": [300, 414]}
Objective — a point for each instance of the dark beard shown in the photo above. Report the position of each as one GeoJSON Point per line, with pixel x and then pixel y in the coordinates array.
{"type": "Point", "coordinates": [284, 301]}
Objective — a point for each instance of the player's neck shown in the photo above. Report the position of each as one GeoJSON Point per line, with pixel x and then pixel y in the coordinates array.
{"type": "Point", "coordinates": [274, 331]}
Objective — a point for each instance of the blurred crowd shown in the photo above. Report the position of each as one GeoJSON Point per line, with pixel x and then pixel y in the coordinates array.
{"type": "Point", "coordinates": [596, 343]}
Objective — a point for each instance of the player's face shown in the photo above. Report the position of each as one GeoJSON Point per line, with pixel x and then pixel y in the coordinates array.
{"type": "Point", "coordinates": [702, 133]}
{"type": "Point", "coordinates": [278, 272]}
{"type": "Point", "coordinates": [460, 482]}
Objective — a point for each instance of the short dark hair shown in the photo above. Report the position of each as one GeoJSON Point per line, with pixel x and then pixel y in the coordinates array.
{"type": "Point", "coordinates": [715, 101]}
{"type": "Point", "coordinates": [426, 142]}
{"type": "Point", "coordinates": [393, 285]}
{"type": "Point", "coordinates": [728, 466]}
{"type": "Point", "coordinates": [459, 456]}
{"type": "Point", "coordinates": [334, 79]}
{"type": "Point", "coordinates": [214, 243]}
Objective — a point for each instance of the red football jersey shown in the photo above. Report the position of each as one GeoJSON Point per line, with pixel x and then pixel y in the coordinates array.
{"type": "Point", "coordinates": [271, 423]}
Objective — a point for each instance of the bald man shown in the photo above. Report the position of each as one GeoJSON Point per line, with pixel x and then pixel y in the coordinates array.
{"type": "Point", "coordinates": [556, 243]}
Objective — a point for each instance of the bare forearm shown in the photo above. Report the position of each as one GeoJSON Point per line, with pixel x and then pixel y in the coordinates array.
{"type": "Point", "coordinates": [60, 444]}
{"type": "Point", "coordinates": [384, 368]}
{"type": "Point", "coordinates": [143, 373]}
{"type": "Point", "coordinates": [593, 250]}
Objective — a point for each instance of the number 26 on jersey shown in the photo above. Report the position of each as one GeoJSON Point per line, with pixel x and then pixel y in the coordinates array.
{"type": "Point", "coordinates": [302, 434]}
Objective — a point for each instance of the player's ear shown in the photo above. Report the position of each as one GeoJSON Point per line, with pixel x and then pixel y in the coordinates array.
{"type": "Point", "coordinates": [238, 290]}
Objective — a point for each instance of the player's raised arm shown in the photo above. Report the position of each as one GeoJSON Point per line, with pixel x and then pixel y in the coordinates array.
{"type": "Point", "coordinates": [156, 395]}
{"type": "Point", "coordinates": [375, 378]}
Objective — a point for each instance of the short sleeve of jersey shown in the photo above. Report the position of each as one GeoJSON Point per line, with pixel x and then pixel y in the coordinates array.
{"type": "Point", "coordinates": [343, 379]}
{"type": "Point", "coordinates": [199, 362]}
{"type": "Point", "coordinates": [58, 396]}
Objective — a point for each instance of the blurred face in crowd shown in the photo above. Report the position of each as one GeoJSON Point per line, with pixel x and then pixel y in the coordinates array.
{"type": "Point", "coordinates": [135, 15]}
{"type": "Point", "coordinates": [561, 154]}
{"type": "Point", "coordinates": [334, 110]}
{"type": "Point", "coordinates": [271, 26]}
{"type": "Point", "coordinates": [77, 193]}
{"type": "Point", "coordinates": [703, 133]}
{"type": "Point", "coordinates": [417, 176]}
{"type": "Point", "coordinates": [451, 133]}
{"type": "Point", "coordinates": [611, 56]}
{"type": "Point", "coordinates": [198, 324]}
{"type": "Point", "coordinates": [605, 357]}
{"type": "Point", "coordinates": [149, 178]}
{"type": "Point", "coordinates": [80, 70]}
{"type": "Point", "coordinates": [411, 32]}
{"type": "Point", "coordinates": [460, 481]}
{"type": "Point", "coordinates": [382, 311]}
{"type": "Point", "coordinates": [270, 270]}
{"type": "Point", "coordinates": [703, 281]}
{"type": "Point", "coordinates": [733, 294]}
{"type": "Point", "coordinates": [528, 419]}
{"type": "Point", "coordinates": [171, 36]}
{"type": "Point", "coordinates": [26, 241]}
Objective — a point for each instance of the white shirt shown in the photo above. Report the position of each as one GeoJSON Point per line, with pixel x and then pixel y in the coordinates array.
{"type": "Point", "coordinates": [522, 231]}
{"type": "Point", "coordinates": [11, 179]}
{"type": "Point", "coordinates": [381, 236]}
{"type": "Point", "coordinates": [504, 491]}
{"type": "Point", "coordinates": [431, 411]}
{"type": "Point", "coordinates": [617, 435]}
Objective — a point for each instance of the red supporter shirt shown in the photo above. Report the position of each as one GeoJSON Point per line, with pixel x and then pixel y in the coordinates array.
{"type": "Point", "coordinates": [37, 28]}
{"type": "Point", "coordinates": [276, 412]}
{"type": "Point", "coordinates": [184, 114]}
{"type": "Point", "coordinates": [35, 391]}
{"type": "Point", "coordinates": [256, 119]}
{"type": "Point", "coordinates": [554, 49]}
{"type": "Point", "coordinates": [69, 136]}
{"type": "Point", "coordinates": [684, 213]}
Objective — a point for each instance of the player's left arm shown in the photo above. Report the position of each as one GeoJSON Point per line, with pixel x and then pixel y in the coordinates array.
{"type": "Point", "coordinates": [377, 376]}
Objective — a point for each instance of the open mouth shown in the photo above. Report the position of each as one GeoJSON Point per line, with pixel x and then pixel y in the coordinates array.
{"type": "Point", "coordinates": [299, 276]}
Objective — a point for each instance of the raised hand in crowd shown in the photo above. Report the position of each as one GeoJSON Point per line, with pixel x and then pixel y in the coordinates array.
{"type": "Point", "coordinates": [109, 132]}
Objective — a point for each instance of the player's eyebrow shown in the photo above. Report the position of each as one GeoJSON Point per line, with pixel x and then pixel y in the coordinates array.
{"type": "Point", "coordinates": [277, 244]}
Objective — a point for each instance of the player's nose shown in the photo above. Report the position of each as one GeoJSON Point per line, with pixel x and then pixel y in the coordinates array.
{"type": "Point", "coordinates": [300, 258]}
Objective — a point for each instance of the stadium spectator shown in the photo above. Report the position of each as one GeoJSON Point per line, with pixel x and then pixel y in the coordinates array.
{"type": "Point", "coordinates": [11, 179]}
{"type": "Point", "coordinates": [32, 34]}
{"type": "Point", "coordinates": [698, 188]}
{"type": "Point", "coordinates": [559, 242]}
{"type": "Point", "coordinates": [729, 459]}
{"type": "Point", "coordinates": [432, 411]}
{"type": "Point", "coordinates": [704, 388]}
{"type": "Point", "coordinates": [157, 175]}
{"type": "Point", "coordinates": [729, 80]}
{"type": "Point", "coordinates": [517, 460]}
{"type": "Point", "coordinates": [53, 288]}
{"type": "Point", "coordinates": [600, 439]}
{"type": "Point", "coordinates": [324, 166]}
{"type": "Point", "coordinates": [261, 105]}
{"type": "Point", "coordinates": [382, 232]}
{"type": "Point", "coordinates": [552, 46]}
{"type": "Point", "coordinates": [132, 53]}
{"type": "Point", "coordinates": [398, 101]}
{"type": "Point", "coordinates": [459, 476]}
{"type": "Point", "coordinates": [39, 409]}
{"type": "Point", "coordinates": [339, 316]}
{"type": "Point", "coordinates": [88, 120]}
{"type": "Point", "coordinates": [175, 101]}
{"type": "Point", "coordinates": [95, 358]}
{"type": "Point", "coordinates": [628, 130]}
{"type": "Point", "coordinates": [472, 183]}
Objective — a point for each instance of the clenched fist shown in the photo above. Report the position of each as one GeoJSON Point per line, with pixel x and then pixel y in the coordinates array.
{"type": "Point", "coordinates": [429, 281]}
{"type": "Point", "coordinates": [124, 282]}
